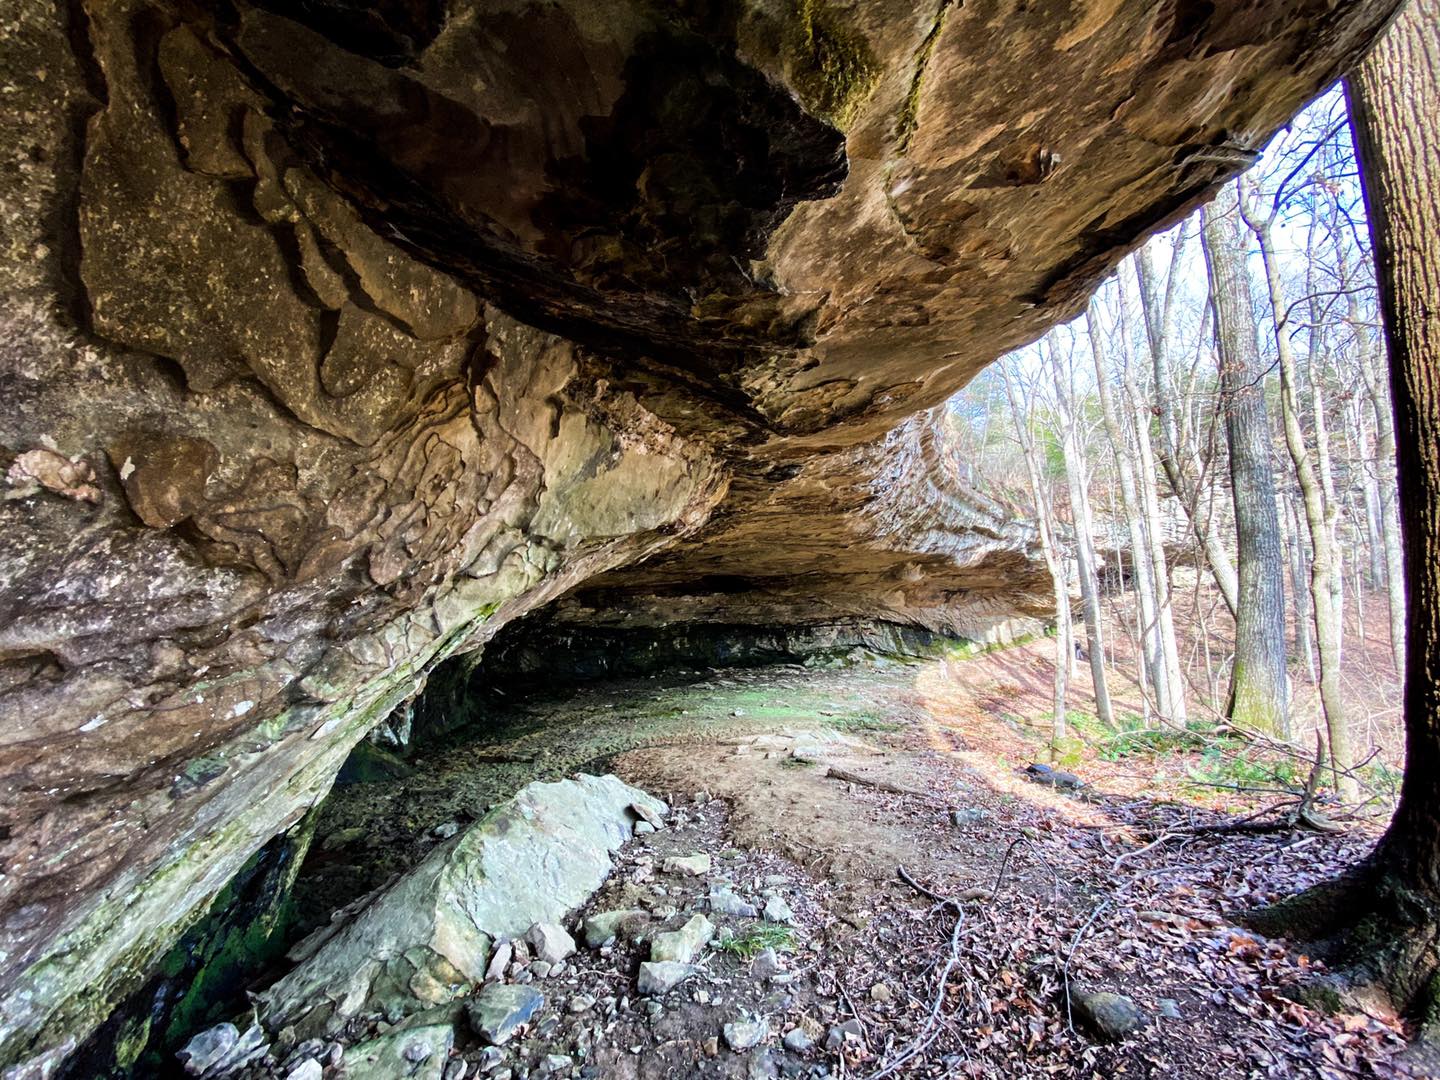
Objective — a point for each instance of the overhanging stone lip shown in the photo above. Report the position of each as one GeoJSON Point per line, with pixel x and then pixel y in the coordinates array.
{"type": "Point", "coordinates": [311, 600]}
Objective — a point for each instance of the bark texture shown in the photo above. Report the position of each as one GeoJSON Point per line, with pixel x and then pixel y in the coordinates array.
{"type": "Point", "coordinates": [1259, 691]}
{"type": "Point", "coordinates": [1396, 106]}
{"type": "Point", "coordinates": [1383, 922]}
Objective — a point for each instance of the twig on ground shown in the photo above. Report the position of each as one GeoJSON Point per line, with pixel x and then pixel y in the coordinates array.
{"type": "Point", "coordinates": [930, 1029]}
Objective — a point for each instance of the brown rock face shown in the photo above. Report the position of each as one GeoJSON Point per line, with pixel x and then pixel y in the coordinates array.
{"type": "Point", "coordinates": [336, 335]}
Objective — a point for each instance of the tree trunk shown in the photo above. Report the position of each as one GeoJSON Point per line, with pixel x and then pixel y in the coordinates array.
{"type": "Point", "coordinates": [1153, 660]}
{"type": "Point", "coordinates": [1055, 562]}
{"type": "Point", "coordinates": [1259, 695]}
{"type": "Point", "coordinates": [1145, 481]}
{"type": "Point", "coordinates": [1077, 480]}
{"type": "Point", "coordinates": [1299, 577]}
{"type": "Point", "coordinates": [1390, 531]}
{"type": "Point", "coordinates": [1319, 516]}
{"type": "Point", "coordinates": [1387, 912]}
{"type": "Point", "coordinates": [1176, 448]}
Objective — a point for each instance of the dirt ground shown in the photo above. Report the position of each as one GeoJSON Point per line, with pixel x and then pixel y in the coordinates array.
{"type": "Point", "coordinates": [820, 786]}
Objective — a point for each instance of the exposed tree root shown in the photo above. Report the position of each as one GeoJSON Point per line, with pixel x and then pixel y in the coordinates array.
{"type": "Point", "coordinates": [1381, 940]}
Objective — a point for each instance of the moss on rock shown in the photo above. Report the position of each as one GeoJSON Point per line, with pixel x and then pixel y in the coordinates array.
{"type": "Point", "coordinates": [830, 64]}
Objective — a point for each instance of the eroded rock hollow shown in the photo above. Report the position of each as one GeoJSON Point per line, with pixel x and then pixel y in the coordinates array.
{"type": "Point", "coordinates": [339, 335]}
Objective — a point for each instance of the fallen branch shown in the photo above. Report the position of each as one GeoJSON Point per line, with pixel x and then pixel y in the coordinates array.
{"type": "Point", "coordinates": [929, 1030]}
{"type": "Point", "coordinates": [880, 785]}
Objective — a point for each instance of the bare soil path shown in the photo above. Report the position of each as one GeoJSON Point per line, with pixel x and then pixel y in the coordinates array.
{"type": "Point", "coordinates": [816, 787]}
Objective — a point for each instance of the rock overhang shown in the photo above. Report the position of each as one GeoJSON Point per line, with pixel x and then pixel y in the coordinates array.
{"type": "Point", "coordinates": [374, 326]}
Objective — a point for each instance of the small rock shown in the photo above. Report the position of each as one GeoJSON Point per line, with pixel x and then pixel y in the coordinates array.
{"type": "Point", "coordinates": [221, 1050]}
{"type": "Point", "coordinates": [208, 1049]}
{"type": "Point", "coordinates": [309, 1069]}
{"type": "Point", "coordinates": [712, 1046]}
{"type": "Point", "coordinates": [696, 865]}
{"type": "Point", "coordinates": [539, 969]}
{"type": "Point", "coordinates": [798, 1040]}
{"type": "Point", "coordinates": [726, 901]}
{"type": "Point", "coordinates": [661, 977]}
{"type": "Point", "coordinates": [490, 1059]}
{"type": "Point", "coordinates": [605, 926]}
{"type": "Point", "coordinates": [456, 1069]}
{"type": "Point", "coordinates": [550, 942]}
{"type": "Point", "coordinates": [643, 828]}
{"type": "Point", "coordinates": [521, 952]}
{"type": "Point", "coordinates": [556, 1063]}
{"type": "Point", "coordinates": [761, 1066]}
{"type": "Point", "coordinates": [1169, 1008]}
{"type": "Point", "coordinates": [967, 815]}
{"type": "Point", "coordinates": [419, 1052]}
{"type": "Point", "coordinates": [499, 1010]}
{"type": "Point", "coordinates": [445, 831]}
{"type": "Point", "coordinates": [581, 1003]}
{"type": "Point", "coordinates": [648, 816]}
{"type": "Point", "coordinates": [778, 1002]}
{"type": "Point", "coordinates": [849, 1031]}
{"type": "Point", "coordinates": [499, 961]}
{"type": "Point", "coordinates": [1110, 1016]}
{"type": "Point", "coordinates": [685, 944]}
{"type": "Point", "coordinates": [333, 1055]}
{"type": "Point", "coordinates": [310, 1048]}
{"type": "Point", "coordinates": [766, 964]}
{"type": "Point", "coordinates": [742, 1035]}
{"type": "Point", "coordinates": [778, 911]}
{"type": "Point", "coordinates": [881, 993]}
{"type": "Point", "coordinates": [1044, 774]}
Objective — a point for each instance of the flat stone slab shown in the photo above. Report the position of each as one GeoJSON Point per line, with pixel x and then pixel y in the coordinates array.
{"type": "Point", "coordinates": [691, 865]}
{"type": "Point", "coordinates": [417, 1053]}
{"type": "Point", "coordinates": [685, 944]}
{"type": "Point", "coordinates": [426, 940]}
{"type": "Point", "coordinates": [498, 1011]}
{"type": "Point", "coordinates": [661, 976]}
{"type": "Point", "coordinates": [606, 926]}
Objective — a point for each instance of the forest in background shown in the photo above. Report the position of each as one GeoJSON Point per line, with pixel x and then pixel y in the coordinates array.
{"type": "Point", "coordinates": [1208, 453]}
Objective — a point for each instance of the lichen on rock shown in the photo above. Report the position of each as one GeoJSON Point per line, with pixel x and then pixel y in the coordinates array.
{"type": "Point", "coordinates": [426, 940]}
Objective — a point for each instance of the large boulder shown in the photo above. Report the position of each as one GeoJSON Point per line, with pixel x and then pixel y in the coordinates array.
{"type": "Point", "coordinates": [427, 939]}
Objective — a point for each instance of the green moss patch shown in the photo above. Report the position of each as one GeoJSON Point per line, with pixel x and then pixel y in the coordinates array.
{"type": "Point", "coordinates": [830, 64]}
{"type": "Point", "coordinates": [909, 118]}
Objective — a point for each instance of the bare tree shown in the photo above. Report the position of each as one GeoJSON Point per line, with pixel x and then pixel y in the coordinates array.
{"type": "Point", "coordinates": [1317, 497]}
{"type": "Point", "coordinates": [1179, 457]}
{"type": "Point", "coordinates": [1259, 691]}
{"type": "Point", "coordinates": [1055, 559]}
{"type": "Point", "coordinates": [1077, 480]}
{"type": "Point", "coordinates": [1385, 916]}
